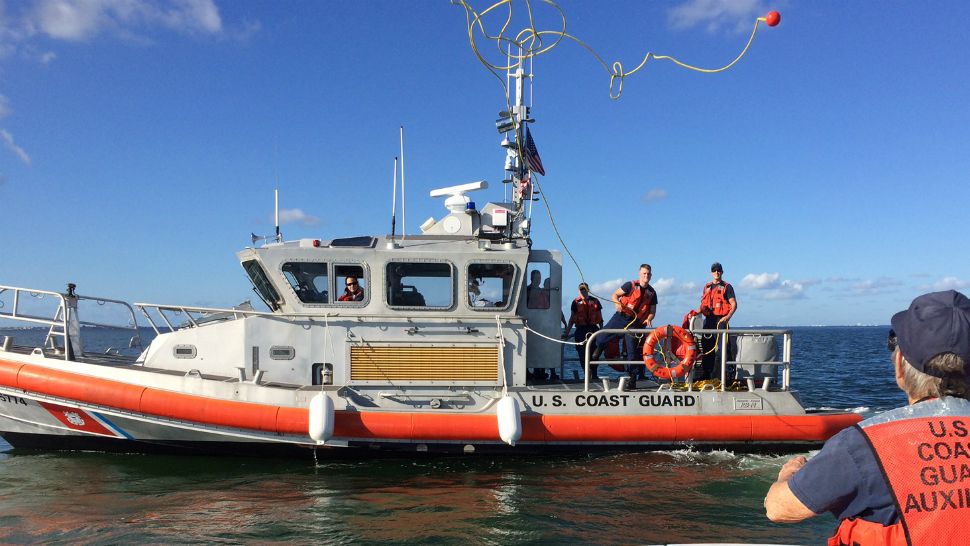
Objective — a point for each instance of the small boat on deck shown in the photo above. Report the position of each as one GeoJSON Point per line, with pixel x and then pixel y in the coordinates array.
{"type": "Point", "coordinates": [431, 357]}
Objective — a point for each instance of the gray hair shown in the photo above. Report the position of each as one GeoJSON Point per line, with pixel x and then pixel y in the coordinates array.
{"type": "Point", "coordinates": [953, 383]}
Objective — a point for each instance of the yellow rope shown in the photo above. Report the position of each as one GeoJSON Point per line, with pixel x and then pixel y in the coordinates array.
{"type": "Point", "coordinates": [529, 43]}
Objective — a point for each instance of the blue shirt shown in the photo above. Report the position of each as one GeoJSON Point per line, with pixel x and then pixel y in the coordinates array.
{"type": "Point", "coordinates": [844, 478]}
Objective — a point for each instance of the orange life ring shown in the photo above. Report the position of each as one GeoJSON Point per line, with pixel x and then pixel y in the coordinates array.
{"type": "Point", "coordinates": [680, 339]}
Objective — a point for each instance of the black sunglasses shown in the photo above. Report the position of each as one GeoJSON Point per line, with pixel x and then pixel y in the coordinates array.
{"type": "Point", "coordinates": [352, 283]}
{"type": "Point", "coordinates": [892, 342]}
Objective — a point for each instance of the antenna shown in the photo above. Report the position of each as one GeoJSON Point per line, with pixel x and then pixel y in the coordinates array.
{"type": "Point", "coordinates": [394, 200]}
{"type": "Point", "coordinates": [404, 226]}
{"type": "Point", "coordinates": [279, 236]}
{"type": "Point", "coordinates": [391, 243]}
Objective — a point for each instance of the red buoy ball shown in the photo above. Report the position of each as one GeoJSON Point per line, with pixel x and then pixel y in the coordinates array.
{"type": "Point", "coordinates": [773, 18]}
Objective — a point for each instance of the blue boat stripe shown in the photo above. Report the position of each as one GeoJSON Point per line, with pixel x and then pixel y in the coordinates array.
{"type": "Point", "coordinates": [113, 426]}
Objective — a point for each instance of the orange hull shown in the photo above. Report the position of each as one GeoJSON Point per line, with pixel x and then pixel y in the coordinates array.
{"type": "Point", "coordinates": [422, 427]}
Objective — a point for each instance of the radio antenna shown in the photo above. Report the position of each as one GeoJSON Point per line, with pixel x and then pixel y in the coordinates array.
{"type": "Point", "coordinates": [279, 236]}
{"type": "Point", "coordinates": [404, 226]}
{"type": "Point", "coordinates": [394, 201]}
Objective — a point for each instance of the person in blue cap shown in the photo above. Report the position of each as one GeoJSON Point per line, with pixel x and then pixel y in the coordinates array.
{"type": "Point", "coordinates": [903, 476]}
{"type": "Point", "coordinates": [718, 305]}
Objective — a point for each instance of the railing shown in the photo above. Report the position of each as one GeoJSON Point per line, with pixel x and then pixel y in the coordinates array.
{"type": "Point", "coordinates": [60, 323]}
{"type": "Point", "coordinates": [195, 316]}
{"type": "Point", "coordinates": [211, 314]}
{"type": "Point", "coordinates": [722, 343]}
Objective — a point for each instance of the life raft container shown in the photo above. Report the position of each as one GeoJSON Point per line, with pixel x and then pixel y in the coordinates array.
{"type": "Point", "coordinates": [682, 345]}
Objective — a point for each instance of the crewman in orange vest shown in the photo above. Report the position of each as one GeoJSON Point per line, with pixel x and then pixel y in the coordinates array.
{"type": "Point", "coordinates": [903, 476]}
{"type": "Point", "coordinates": [586, 313]}
{"type": "Point", "coordinates": [718, 305]}
{"type": "Point", "coordinates": [636, 305]}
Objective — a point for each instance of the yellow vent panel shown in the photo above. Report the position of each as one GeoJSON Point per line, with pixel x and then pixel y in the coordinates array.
{"type": "Point", "coordinates": [370, 363]}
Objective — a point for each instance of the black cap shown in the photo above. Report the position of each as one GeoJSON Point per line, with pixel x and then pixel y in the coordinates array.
{"type": "Point", "coordinates": [716, 266]}
{"type": "Point", "coordinates": [583, 285]}
{"type": "Point", "coordinates": [935, 323]}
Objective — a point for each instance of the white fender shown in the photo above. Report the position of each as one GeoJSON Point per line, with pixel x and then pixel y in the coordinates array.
{"type": "Point", "coordinates": [509, 420]}
{"type": "Point", "coordinates": [321, 418]}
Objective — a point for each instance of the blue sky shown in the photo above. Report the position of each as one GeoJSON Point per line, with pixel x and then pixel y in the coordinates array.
{"type": "Point", "coordinates": [140, 143]}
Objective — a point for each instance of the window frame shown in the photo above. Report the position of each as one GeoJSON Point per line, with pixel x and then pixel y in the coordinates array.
{"type": "Point", "coordinates": [331, 284]}
{"type": "Point", "coordinates": [513, 291]}
{"type": "Point", "coordinates": [453, 276]}
{"type": "Point", "coordinates": [365, 276]}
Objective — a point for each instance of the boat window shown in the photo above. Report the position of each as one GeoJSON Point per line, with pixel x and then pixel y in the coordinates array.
{"type": "Point", "coordinates": [490, 285]}
{"type": "Point", "coordinates": [420, 284]}
{"type": "Point", "coordinates": [537, 292]}
{"type": "Point", "coordinates": [264, 289]}
{"type": "Point", "coordinates": [343, 277]}
{"type": "Point", "coordinates": [308, 280]}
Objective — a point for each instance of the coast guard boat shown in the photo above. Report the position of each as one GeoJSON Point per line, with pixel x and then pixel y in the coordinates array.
{"type": "Point", "coordinates": [432, 358]}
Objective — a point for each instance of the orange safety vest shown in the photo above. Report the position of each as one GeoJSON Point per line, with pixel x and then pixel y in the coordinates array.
{"type": "Point", "coordinates": [713, 299]}
{"type": "Point", "coordinates": [587, 313]}
{"type": "Point", "coordinates": [926, 461]}
{"type": "Point", "coordinates": [638, 301]}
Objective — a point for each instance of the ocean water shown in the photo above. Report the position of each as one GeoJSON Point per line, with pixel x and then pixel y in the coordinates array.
{"type": "Point", "coordinates": [620, 498]}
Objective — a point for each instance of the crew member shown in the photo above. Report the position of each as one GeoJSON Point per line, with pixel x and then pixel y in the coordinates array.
{"type": "Point", "coordinates": [636, 305]}
{"type": "Point", "coordinates": [903, 476]}
{"type": "Point", "coordinates": [536, 296]}
{"type": "Point", "coordinates": [718, 305]}
{"type": "Point", "coordinates": [353, 291]}
{"type": "Point", "coordinates": [586, 313]}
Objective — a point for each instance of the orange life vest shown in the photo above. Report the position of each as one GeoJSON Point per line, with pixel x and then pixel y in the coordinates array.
{"type": "Point", "coordinates": [638, 301]}
{"type": "Point", "coordinates": [714, 300]}
{"type": "Point", "coordinates": [587, 313]}
{"type": "Point", "coordinates": [926, 461]}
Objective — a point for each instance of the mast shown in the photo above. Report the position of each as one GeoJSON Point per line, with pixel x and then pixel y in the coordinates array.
{"type": "Point", "coordinates": [516, 120]}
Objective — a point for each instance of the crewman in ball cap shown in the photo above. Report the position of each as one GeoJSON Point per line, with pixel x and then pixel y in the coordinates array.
{"type": "Point", "coordinates": [903, 476]}
{"type": "Point", "coordinates": [718, 305]}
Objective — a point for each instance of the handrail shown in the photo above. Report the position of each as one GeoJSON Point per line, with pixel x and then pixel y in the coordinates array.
{"type": "Point", "coordinates": [13, 314]}
{"type": "Point", "coordinates": [209, 311]}
{"type": "Point", "coordinates": [722, 342]}
{"type": "Point", "coordinates": [61, 316]}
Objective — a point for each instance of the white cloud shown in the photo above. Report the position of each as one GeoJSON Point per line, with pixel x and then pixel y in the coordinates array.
{"type": "Point", "coordinates": [297, 216]}
{"type": "Point", "coordinates": [950, 283]}
{"type": "Point", "coordinates": [605, 289]}
{"type": "Point", "coordinates": [874, 286]}
{"type": "Point", "coordinates": [9, 143]}
{"type": "Point", "coordinates": [771, 287]}
{"type": "Point", "coordinates": [670, 287]}
{"type": "Point", "coordinates": [735, 15]}
{"type": "Point", "coordinates": [787, 290]}
{"type": "Point", "coordinates": [76, 20]}
{"type": "Point", "coordinates": [656, 194]}
{"type": "Point", "coordinates": [760, 281]}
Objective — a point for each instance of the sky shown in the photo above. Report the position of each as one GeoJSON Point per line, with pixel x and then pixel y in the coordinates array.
{"type": "Point", "coordinates": [141, 141]}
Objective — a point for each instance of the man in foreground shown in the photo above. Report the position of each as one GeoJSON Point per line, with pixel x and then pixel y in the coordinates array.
{"type": "Point", "coordinates": [901, 477]}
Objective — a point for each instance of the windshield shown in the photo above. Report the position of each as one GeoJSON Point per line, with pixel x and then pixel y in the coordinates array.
{"type": "Point", "coordinates": [261, 285]}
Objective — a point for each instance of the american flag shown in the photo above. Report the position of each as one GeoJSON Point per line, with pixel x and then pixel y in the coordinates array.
{"type": "Point", "coordinates": [532, 159]}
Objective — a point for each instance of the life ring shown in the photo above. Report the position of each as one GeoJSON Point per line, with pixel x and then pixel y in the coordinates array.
{"type": "Point", "coordinates": [682, 341]}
